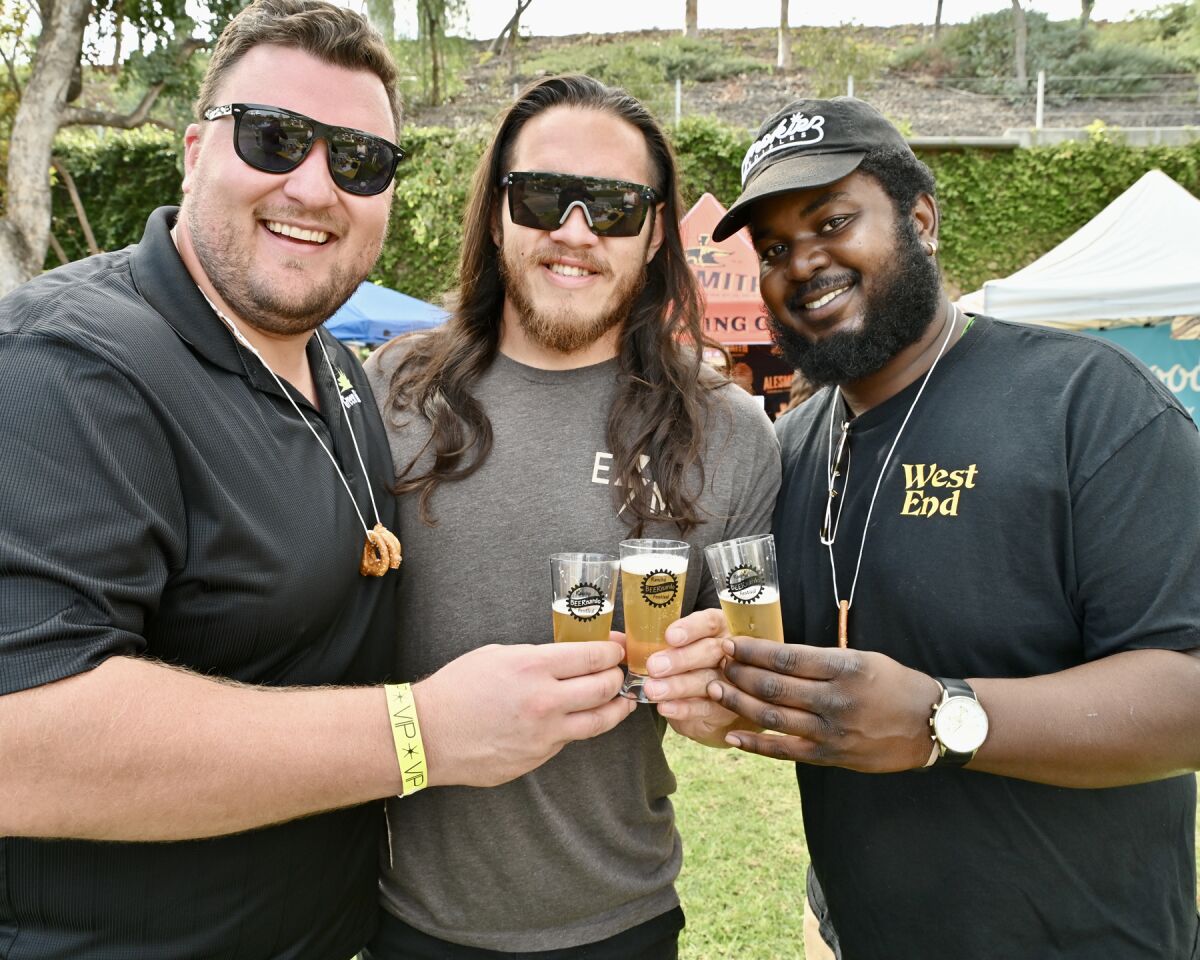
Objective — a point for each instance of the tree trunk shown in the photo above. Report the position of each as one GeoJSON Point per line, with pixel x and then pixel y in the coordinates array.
{"type": "Point", "coordinates": [1020, 36]}
{"type": "Point", "coordinates": [937, 20]}
{"type": "Point", "coordinates": [506, 35]}
{"type": "Point", "coordinates": [432, 36]}
{"type": "Point", "coordinates": [382, 14]}
{"type": "Point", "coordinates": [691, 24]}
{"type": "Point", "coordinates": [25, 231]}
{"type": "Point", "coordinates": [118, 29]}
{"type": "Point", "coordinates": [784, 60]}
{"type": "Point", "coordinates": [1085, 12]}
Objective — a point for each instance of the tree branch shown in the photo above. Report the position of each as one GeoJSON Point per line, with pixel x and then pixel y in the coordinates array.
{"type": "Point", "coordinates": [12, 73]}
{"type": "Point", "coordinates": [75, 116]}
{"type": "Point", "coordinates": [89, 237]}
{"type": "Point", "coordinates": [522, 6]}
{"type": "Point", "coordinates": [58, 250]}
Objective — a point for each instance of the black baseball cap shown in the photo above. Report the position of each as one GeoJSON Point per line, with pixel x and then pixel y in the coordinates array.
{"type": "Point", "coordinates": [808, 143]}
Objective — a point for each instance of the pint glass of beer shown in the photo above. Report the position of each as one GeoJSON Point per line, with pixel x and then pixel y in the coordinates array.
{"type": "Point", "coordinates": [653, 575]}
{"type": "Point", "coordinates": [583, 586]}
{"type": "Point", "coordinates": [748, 585]}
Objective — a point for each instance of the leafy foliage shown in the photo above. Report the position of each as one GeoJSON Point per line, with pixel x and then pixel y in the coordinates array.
{"type": "Point", "coordinates": [121, 178]}
{"type": "Point", "coordinates": [709, 155]}
{"type": "Point", "coordinates": [1114, 69]}
{"type": "Point", "coordinates": [648, 69]}
{"type": "Point", "coordinates": [983, 51]}
{"type": "Point", "coordinates": [416, 68]}
{"type": "Point", "coordinates": [1172, 30]}
{"type": "Point", "coordinates": [829, 57]}
{"type": "Point", "coordinates": [1000, 210]}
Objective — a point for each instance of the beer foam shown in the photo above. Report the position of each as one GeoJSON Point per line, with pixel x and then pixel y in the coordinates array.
{"type": "Point", "coordinates": [641, 564]}
{"type": "Point", "coordinates": [560, 606]}
{"type": "Point", "coordinates": [768, 595]}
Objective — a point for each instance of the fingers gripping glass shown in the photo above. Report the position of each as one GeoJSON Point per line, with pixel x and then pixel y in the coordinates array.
{"type": "Point", "coordinates": [275, 140]}
{"type": "Point", "coordinates": [612, 208]}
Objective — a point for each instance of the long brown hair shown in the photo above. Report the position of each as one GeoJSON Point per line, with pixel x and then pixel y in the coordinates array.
{"type": "Point", "coordinates": [660, 405]}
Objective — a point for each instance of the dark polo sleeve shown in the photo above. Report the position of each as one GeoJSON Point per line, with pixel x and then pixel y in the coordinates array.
{"type": "Point", "coordinates": [92, 517]}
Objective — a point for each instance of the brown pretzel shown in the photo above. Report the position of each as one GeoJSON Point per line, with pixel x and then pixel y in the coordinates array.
{"type": "Point", "coordinates": [381, 552]}
{"type": "Point", "coordinates": [375, 556]}
{"type": "Point", "coordinates": [392, 543]}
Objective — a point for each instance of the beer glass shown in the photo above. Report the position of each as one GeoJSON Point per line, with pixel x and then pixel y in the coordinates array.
{"type": "Point", "coordinates": [748, 585]}
{"type": "Point", "coordinates": [583, 586]}
{"type": "Point", "coordinates": [653, 576]}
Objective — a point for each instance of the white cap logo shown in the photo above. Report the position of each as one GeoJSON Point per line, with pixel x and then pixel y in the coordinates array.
{"type": "Point", "coordinates": [794, 131]}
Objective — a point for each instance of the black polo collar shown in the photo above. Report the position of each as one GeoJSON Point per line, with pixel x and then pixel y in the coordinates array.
{"type": "Point", "coordinates": [164, 281]}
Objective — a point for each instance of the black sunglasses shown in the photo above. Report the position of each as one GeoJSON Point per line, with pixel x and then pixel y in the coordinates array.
{"type": "Point", "coordinates": [275, 140]}
{"type": "Point", "coordinates": [612, 208]}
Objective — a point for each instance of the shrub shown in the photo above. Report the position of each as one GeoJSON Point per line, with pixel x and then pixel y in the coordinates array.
{"type": "Point", "coordinates": [1114, 69]}
{"type": "Point", "coordinates": [984, 47]}
{"type": "Point", "coordinates": [829, 56]}
{"type": "Point", "coordinates": [1172, 30]}
{"type": "Point", "coordinates": [648, 69]}
{"type": "Point", "coordinates": [654, 61]}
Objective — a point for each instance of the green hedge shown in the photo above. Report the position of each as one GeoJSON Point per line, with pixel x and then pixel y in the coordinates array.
{"type": "Point", "coordinates": [1000, 209]}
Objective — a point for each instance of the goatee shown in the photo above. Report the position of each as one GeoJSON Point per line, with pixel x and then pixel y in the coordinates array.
{"type": "Point", "coordinates": [897, 313]}
{"type": "Point", "coordinates": [564, 329]}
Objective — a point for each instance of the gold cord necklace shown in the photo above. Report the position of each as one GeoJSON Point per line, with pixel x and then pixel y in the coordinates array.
{"type": "Point", "coordinates": [829, 530]}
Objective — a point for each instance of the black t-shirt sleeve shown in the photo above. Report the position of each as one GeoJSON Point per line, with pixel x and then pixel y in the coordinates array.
{"type": "Point", "coordinates": [1136, 535]}
{"type": "Point", "coordinates": [93, 522]}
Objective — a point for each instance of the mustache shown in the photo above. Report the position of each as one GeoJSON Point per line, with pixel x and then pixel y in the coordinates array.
{"type": "Point", "coordinates": [556, 251]}
{"type": "Point", "coordinates": [814, 288]}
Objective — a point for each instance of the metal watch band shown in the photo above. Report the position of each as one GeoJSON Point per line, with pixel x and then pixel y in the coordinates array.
{"type": "Point", "coordinates": [952, 688]}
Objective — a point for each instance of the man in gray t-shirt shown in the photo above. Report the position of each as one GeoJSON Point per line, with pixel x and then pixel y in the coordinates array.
{"type": "Point", "coordinates": [562, 408]}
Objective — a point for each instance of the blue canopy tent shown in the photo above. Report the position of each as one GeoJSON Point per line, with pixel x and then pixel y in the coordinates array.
{"type": "Point", "coordinates": [374, 314]}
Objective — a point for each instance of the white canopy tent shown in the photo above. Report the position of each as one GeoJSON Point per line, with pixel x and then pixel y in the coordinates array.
{"type": "Point", "coordinates": [1138, 258]}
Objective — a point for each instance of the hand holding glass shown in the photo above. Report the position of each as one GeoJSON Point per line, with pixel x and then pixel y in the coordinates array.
{"type": "Point", "coordinates": [584, 585]}
{"type": "Point", "coordinates": [653, 576]}
{"type": "Point", "coordinates": [748, 585]}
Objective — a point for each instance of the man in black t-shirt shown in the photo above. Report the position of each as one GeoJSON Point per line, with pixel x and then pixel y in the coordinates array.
{"type": "Point", "coordinates": [196, 593]}
{"type": "Point", "coordinates": [989, 561]}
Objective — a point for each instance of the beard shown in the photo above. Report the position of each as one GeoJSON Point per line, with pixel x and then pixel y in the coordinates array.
{"type": "Point", "coordinates": [896, 314]}
{"type": "Point", "coordinates": [263, 302]}
{"type": "Point", "coordinates": [563, 328]}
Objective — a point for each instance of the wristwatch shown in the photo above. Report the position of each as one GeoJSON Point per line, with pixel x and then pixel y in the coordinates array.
{"type": "Point", "coordinates": [958, 725]}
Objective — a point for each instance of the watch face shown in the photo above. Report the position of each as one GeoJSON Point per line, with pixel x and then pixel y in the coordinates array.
{"type": "Point", "coordinates": [960, 725]}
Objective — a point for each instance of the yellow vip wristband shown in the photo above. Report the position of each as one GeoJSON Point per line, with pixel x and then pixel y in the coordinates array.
{"type": "Point", "coordinates": [406, 732]}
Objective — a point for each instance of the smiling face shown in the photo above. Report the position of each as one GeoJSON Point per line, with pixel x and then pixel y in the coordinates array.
{"type": "Point", "coordinates": [568, 290]}
{"type": "Point", "coordinates": [847, 282]}
{"type": "Point", "coordinates": [283, 251]}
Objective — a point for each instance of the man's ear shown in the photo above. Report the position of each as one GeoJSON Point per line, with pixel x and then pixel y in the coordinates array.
{"type": "Point", "coordinates": [656, 231]}
{"type": "Point", "coordinates": [927, 219]}
{"type": "Point", "coordinates": [498, 224]}
{"type": "Point", "coordinates": [191, 153]}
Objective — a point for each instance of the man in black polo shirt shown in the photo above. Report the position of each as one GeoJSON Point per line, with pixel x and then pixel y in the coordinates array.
{"type": "Point", "coordinates": [194, 502]}
{"type": "Point", "coordinates": [988, 556]}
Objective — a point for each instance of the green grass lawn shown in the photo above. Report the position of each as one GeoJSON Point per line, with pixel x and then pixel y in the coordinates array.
{"type": "Point", "coordinates": [744, 854]}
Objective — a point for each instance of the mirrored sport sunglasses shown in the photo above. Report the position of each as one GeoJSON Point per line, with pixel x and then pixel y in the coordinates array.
{"type": "Point", "coordinates": [612, 208]}
{"type": "Point", "coordinates": [275, 140]}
